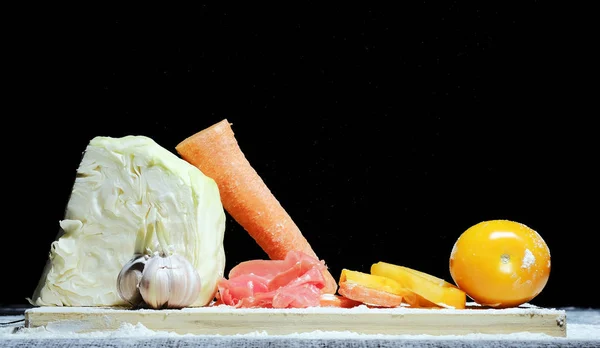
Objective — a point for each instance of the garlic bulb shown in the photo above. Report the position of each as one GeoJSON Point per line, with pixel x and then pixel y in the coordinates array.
{"type": "Point", "coordinates": [162, 279]}
{"type": "Point", "coordinates": [129, 278]}
{"type": "Point", "coordinates": [169, 281]}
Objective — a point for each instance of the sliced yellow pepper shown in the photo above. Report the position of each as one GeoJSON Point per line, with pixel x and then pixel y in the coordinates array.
{"type": "Point", "coordinates": [377, 282]}
{"type": "Point", "coordinates": [428, 288]}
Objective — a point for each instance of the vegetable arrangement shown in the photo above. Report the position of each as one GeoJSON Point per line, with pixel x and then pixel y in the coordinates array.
{"type": "Point", "coordinates": [144, 228]}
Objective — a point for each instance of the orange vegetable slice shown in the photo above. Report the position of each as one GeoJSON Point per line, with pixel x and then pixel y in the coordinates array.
{"type": "Point", "coordinates": [429, 289]}
{"type": "Point", "coordinates": [369, 296]}
{"type": "Point", "coordinates": [245, 196]}
{"type": "Point", "coordinates": [332, 300]}
{"type": "Point", "coordinates": [372, 289]}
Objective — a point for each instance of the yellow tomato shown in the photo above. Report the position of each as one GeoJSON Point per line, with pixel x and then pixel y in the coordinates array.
{"type": "Point", "coordinates": [500, 263]}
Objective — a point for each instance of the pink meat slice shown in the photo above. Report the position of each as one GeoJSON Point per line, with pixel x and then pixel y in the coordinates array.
{"type": "Point", "coordinates": [294, 282]}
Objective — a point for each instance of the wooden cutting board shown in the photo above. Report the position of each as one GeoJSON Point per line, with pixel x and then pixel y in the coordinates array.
{"type": "Point", "coordinates": [231, 321]}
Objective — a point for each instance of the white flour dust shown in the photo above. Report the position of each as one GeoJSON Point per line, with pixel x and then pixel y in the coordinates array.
{"type": "Point", "coordinates": [528, 259]}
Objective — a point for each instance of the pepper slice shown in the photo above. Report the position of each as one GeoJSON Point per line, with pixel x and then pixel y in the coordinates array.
{"type": "Point", "coordinates": [373, 290]}
{"type": "Point", "coordinates": [430, 290]}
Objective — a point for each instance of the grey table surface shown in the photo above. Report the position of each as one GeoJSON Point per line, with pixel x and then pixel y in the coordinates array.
{"type": "Point", "coordinates": [583, 330]}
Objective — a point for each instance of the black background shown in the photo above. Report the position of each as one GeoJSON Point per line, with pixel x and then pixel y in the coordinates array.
{"type": "Point", "coordinates": [384, 131]}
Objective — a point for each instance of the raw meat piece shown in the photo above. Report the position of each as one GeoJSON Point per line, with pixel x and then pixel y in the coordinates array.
{"type": "Point", "coordinates": [294, 282]}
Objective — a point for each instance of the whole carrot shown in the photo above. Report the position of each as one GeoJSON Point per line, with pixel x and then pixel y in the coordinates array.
{"type": "Point", "coordinates": [245, 196]}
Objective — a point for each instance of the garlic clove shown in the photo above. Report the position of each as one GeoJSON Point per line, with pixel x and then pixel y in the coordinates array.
{"type": "Point", "coordinates": [128, 280]}
{"type": "Point", "coordinates": [155, 282]}
{"type": "Point", "coordinates": [189, 285]}
{"type": "Point", "coordinates": [169, 282]}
